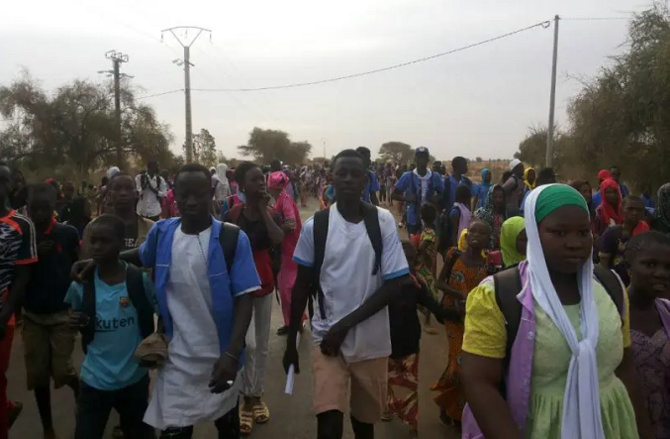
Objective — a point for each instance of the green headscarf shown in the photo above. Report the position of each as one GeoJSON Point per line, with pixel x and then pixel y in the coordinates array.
{"type": "Point", "coordinates": [509, 232]}
{"type": "Point", "coordinates": [556, 196]}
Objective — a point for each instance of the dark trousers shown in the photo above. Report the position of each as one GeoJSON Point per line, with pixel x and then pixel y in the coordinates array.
{"type": "Point", "coordinates": [228, 427]}
{"type": "Point", "coordinates": [94, 406]}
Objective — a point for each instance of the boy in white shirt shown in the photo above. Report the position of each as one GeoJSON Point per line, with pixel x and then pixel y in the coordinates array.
{"type": "Point", "coordinates": [350, 322]}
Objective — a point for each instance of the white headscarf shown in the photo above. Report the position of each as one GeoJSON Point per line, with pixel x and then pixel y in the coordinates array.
{"type": "Point", "coordinates": [581, 402]}
{"type": "Point", "coordinates": [113, 171]}
{"type": "Point", "coordinates": [222, 189]}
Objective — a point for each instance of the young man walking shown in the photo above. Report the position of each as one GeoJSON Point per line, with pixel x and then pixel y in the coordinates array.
{"type": "Point", "coordinates": [360, 270]}
{"type": "Point", "coordinates": [123, 198]}
{"type": "Point", "coordinates": [417, 188]}
{"type": "Point", "coordinates": [153, 190]}
{"type": "Point", "coordinates": [206, 308]}
{"type": "Point", "coordinates": [17, 238]}
{"type": "Point", "coordinates": [47, 337]}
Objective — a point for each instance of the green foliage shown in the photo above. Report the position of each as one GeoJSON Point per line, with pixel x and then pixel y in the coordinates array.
{"type": "Point", "coordinates": [204, 149]}
{"type": "Point", "coordinates": [71, 132]}
{"type": "Point", "coordinates": [622, 116]}
{"type": "Point", "coordinates": [267, 145]}
{"type": "Point", "coordinates": [397, 152]}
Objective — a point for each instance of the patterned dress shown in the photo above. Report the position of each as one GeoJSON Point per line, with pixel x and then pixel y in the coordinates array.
{"type": "Point", "coordinates": [450, 398]}
{"type": "Point", "coordinates": [427, 261]}
{"type": "Point", "coordinates": [652, 363]}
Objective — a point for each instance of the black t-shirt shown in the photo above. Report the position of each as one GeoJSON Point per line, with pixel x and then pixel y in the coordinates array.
{"type": "Point", "coordinates": [50, 277]}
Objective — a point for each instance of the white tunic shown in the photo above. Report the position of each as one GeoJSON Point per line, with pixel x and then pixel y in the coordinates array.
{"type": "Point", "coordinates": [181, 395]}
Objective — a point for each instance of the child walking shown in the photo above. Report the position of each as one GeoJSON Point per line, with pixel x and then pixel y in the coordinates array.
{"type": "Point", "coordinates": [426, 257]}
{"type": "Point", "coordinates": [462, 272]}
{"type": "Point", "coordinates": [648, 259]}
{"type": "Point", "coordinates": [47, 337]}
{"type": "Point", "coordinates": [114, 310]}
{"type": "Point", "coordinates": [403, 398]}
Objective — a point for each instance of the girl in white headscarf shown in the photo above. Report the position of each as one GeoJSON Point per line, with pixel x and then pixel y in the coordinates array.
{"type": "Point", "coordinates": [569, 373]}
{"type": "Point", "coordinates": [220, 183]}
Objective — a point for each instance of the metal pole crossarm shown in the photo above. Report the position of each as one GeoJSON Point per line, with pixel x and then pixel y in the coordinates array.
{"type": "Point", "coordinates": [186, 62]}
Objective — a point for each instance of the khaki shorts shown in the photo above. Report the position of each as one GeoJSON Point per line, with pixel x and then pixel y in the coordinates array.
{"type": "Point", "coordinates": [333, 378]}
{"type": "Point", "coordinates": [48, 343]}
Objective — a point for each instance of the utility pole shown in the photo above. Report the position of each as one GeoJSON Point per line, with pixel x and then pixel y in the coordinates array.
{"type": "Point", "coordinates": [552, 98]}
{"type": "Point", "coordinates": [117, 59]}
{"type": "Point", "coordinates": [186, 43]}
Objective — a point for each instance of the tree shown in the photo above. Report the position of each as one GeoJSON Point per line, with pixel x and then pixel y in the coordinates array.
{"type": "Point", "coordinates": [73, 131]}
{"type": "Point", "coordinates": [622, 116]}
{"type": "Point", "coordinates": [204, 149]}
{"type": "Point", "coordinates": [397, 152]}
{"type": "Point", "coordinates": [267, 145]}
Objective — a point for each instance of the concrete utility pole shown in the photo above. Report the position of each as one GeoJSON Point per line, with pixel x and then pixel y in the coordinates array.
{"type": "Point", "coordinates": [117, 59]}
{"type": "Point", "coordinates": [552, 98]}
{"type": "Point", "coordinates": [186, 43]}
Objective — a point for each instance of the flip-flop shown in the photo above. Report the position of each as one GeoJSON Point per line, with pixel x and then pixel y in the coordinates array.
{"type": "Point", "coordinates": [246, 422]}
{"type": "Point", "coordinates": [261, 413]}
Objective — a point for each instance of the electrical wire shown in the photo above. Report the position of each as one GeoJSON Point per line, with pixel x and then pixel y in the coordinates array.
{"type": "Point", "coordinates": [593, 18]}
{"type": "Point", "coordinates": [160, 94]}
{"type": "Point", "coordinates": [543, 24]}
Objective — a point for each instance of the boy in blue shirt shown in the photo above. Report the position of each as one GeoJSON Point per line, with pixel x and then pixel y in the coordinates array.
{"type": "Point", "coordinates": [418, 187]}
{"type": "Point", "coordinates": [112, 327]}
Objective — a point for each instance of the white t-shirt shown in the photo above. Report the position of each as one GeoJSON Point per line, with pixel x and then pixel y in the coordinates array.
{"type": "Point", "coordinates": [347, 280]}
{"type": "Point", "coordinates": [149, 203]}
{"type": "Point", "coordinates": [181, 395]}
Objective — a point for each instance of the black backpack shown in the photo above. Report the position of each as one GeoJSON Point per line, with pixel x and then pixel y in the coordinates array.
{"type": "Point", "coordinates": [507, 284]}
{"type": "Point", "coordinates": [134, 282]}
{"type": "Point", "coordinates": [321, 220]}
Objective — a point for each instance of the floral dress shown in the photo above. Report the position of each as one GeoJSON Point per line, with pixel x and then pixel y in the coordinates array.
{"type": "Point", "coordinates": [464, 279]}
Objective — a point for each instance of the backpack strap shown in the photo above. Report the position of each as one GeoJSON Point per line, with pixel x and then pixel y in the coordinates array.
{"type": "Point", "coordinates": [228, 239]}
{"type": "Point", "coordinates": [234, 212]}
{"type": "Point", "coordinates": [138, 297]}
{"type": "Point", "coordinates": [321, 220]}
{"type": "Point", "coordinates": [610, 281]}
{"type": "Point", "coordinates": [88, 307]}
{"type": "Point", "coordinates": [507, 284]}
{"type": "Point", "coordinates": [371, 220]}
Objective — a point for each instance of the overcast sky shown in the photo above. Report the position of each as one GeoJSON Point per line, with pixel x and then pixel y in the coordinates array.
{"type": "Point", "coordinates": [479, 102]}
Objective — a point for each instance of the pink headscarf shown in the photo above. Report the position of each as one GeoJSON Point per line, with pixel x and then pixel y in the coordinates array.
{"type": "Point", "coordinates": [278, 180]}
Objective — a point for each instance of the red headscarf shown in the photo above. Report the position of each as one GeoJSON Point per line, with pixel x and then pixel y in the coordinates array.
{"type": "Point", "coordinates": [603, 175]}
{"type": "Point", "coordinates": [610, 212]}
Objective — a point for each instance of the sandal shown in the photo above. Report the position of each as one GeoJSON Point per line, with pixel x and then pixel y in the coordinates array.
{"type": "Point", "coordinates": [261, 413]}
{"type": "Point", "coordinates": [246, 422]}
{"type": "Point", "coordinates": [387, 416]}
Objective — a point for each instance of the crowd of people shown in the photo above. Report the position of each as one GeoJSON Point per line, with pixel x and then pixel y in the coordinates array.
{"type": "Point", "coordinates": [554, 298]}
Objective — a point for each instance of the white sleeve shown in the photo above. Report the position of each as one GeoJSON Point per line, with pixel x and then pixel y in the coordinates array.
{"type": "Point", "coordinates": [138, 183]}
{"type": "Point", "coordinates": [304, 251]}
{"type": "Point", "coordinates": [162, 187]}
{"type": "Point", "coordinates": [394, 262]}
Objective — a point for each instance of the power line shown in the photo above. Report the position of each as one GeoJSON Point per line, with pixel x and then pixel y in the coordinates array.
{"type": "Point", "coordinates": [160, 94]}
{"type": "Point", "coordinates": [543, 24]}
{"type": "Point", "coordinates": [594, 18]}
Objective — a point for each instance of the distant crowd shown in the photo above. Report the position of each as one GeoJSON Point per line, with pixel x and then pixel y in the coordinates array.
{"type": "Point", "coordinates": [554, 297]}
